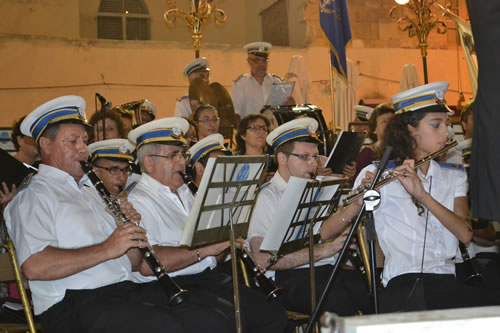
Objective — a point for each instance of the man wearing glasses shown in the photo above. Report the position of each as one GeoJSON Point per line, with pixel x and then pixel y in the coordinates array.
{"type": "Point", "coordinates": [164, 202]}
{"type": "Point", "coordinates": [111, 160]}
{"type": "Point", "coordinates": [296, 153]}
{"type": "Point", "coordinates": [77, 260]}
{"type": "Point", "coordinates": [250, 90]}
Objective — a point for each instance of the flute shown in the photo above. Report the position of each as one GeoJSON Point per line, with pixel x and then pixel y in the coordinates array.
{"type": "Point", "coordinates": [388, 177]}
{"type": "Point", "coordinates": [176, 294]}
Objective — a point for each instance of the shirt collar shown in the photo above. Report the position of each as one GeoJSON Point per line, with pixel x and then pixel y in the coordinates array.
{"type": "Point", "coordinates": [278, 181]}
{"type": "Point", "coordinates": [434, 171]}
{"type": "Point", "coordinates": [155, 186]}
{"type": "Point", "coordinates": [60, 176]}
{"type": "Point", "coordinates": [267, 77]}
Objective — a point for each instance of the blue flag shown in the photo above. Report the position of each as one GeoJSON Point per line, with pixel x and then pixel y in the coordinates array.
{"type": "Point", "coordinates": [334, 21]}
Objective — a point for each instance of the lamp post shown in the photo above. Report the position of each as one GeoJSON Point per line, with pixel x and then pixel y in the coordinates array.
{"type": "Point", "coordinates": [418, 20]}
{"type": "Point", "coordinates": [201, 12]}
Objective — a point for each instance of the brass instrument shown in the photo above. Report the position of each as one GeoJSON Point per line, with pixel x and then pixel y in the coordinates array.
{"type": "Point", "coordinates": [260, 280]}
{"type": "Point", "coordinates": [389, 176]}
{"type": "Point", "coordinates": [176, 294]}
{"type": "Point", "coordinates": [132, 109]}
{"type": "Point", "coordinates": [216, 95]}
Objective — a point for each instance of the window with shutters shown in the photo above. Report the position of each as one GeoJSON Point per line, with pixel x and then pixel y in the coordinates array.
{"type": "Point", "coordinates": [123, 19]}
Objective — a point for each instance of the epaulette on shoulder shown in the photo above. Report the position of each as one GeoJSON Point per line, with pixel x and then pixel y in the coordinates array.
{"type": "Point", "coordinates": [181, 98]}
{"type": "Point", "coordinates": [128, 189]}
{"type": "Point", "coordinates": [451, 166]}
{"type": "Point", "coordinates": [24, 184]}
{"type": "Point", "coordinates": [239, 77]}
{"type": "Point", "coordinates": [390, 164]}
{"type": "Point", "coordinates": [467, 151]}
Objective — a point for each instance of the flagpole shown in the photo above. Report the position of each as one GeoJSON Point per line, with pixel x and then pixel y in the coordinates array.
{"type": "Point", "coordinates": [332, 99]}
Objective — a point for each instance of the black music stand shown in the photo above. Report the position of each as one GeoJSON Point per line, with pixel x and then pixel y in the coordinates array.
{"type": "Point", "coordinates": [223, 206]}
{"type": "Point", "coordinates": [296, 229]}
{"type": "Point", "coordinates": [370, 198]}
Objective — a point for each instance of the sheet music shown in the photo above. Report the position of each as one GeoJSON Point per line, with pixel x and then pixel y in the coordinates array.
{"type": "Point", "coordinates": [345, 150]}
{"type": "Point", "coordinates": [280, 93]}
{"type": "Point", "coordinates": [286, 225]}
{"type": "Point", "coordinates": [207, 213]}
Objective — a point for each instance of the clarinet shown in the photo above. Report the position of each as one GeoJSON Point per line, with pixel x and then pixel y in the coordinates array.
{"type": "Point", "coordinates": [175, 294]}
{"type": "Point", "coordinates": [261, 281]}
{"type": "Point", "coordinates": [472, 275]}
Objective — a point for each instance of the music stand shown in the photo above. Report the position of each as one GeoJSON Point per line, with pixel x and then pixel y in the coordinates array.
{"type": "Point", "coordinates": [223, 206]}
{"type": "Point", "coordinates": [296, 229]}
{"type": "Point", "coordinates": [370, 197]}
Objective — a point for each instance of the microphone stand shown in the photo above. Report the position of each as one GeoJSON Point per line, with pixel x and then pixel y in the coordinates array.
{"type": "Point", "coordinates": [371, 200]}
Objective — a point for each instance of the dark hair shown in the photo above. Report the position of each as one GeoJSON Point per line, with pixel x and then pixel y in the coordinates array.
{"type": "Point", "coordinates": [397, 135]}
{"type": "Point", "coordinates": [16, 132]}
{"type": "Point", "coordinates": [379, 110]}
{"type": "Point", "coordinates": [98, 116]}
{"type": "Point", "coordinates": [196, 115]}
{"type": "Point", "coordinates": [242, 130]}
{"type": "Point", "coordinates": [467, 111]}
{"type": "Point", "coordinates": [195, 126]}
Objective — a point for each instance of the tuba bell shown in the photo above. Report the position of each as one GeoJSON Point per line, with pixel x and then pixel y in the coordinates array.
{"type": "Point", "coordinates": [133, 111]}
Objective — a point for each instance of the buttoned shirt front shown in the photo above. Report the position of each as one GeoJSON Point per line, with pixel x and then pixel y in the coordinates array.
{"type": "Point", "coordinates": [401, 231]}
{"type": "Point", "coordinates": [53, 210]}
{"type": "Point", "coordinates": [263, 214]}
{"type": "Point", "coordinates": [249, 96]}
{"type": "Point", "coordinates": [182, 107]}
{"type": "Point", "coordinates": [163, 215]}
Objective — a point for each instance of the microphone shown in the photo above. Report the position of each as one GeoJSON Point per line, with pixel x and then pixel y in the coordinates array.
{"type": "Point", "coordinates": [105, 103]}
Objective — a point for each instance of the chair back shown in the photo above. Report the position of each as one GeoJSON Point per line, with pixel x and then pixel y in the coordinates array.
{"type": "Point", "coordinates": [9, 271]}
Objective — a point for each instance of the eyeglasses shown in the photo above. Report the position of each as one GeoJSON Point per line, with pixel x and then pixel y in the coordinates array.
{"type": "Point", "coordinates": [306, 157]}
{"type": "Point", "coordinates": [176, 155]}
{"type": "Point", "coordinates": [115, 171]}
{"type": "Point", "coordinates": [257, 128]}
{"type": "Point", "coordinates": [206, 121]}
{"type": "Point", "coordinates": [259, 60]}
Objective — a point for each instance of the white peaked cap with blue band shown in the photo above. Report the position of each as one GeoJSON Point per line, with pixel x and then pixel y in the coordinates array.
{"type": "Point", "coordinates": [120, 149]}
{"type": "Point", "coordinates": [261, 49]}
{"type": "Point", "coordinates": [54, 111]}
{"type": "Point", "coordinates": [204, 146]}
{"type": "Point", "coordinates": [197, 65]}
{"type": "Point", "coordinates": [429, 97]}
{"type": "Point", "coordinates": [164, 130]}
{"type": "Point", "coordinates": [292, 130]}
{"type": "Point", "coordinates": [363, 112]}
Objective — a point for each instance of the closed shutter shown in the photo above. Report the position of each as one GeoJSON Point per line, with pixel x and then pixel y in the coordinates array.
{"type": "Point", "coordinates": [123, 19]}
{"type": "Point", "coordinates": [109, 27]}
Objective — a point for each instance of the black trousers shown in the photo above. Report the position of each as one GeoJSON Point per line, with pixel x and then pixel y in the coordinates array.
{"type": "Point", "coordinates": [130, 307]}
{"type": "Point", "coordinates": [257, 315]}
{"type": "Point", "coordinates": [422, 291]}
{"type": "Point", "coordinates": [488, 265]}
{"type": "Point", "coordinates": [347, 296]}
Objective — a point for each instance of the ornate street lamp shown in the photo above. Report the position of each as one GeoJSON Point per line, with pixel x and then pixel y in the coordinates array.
{"type": "Point", "coordinates": [201, 12]}
{"type": "Point", "coordinates": [415, 16]}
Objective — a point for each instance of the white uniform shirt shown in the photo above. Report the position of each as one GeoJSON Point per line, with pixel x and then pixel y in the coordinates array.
{"type": "Point", "coordinates": [249, 96]}
{"type": "Point", "coordinates": [182, 107]}
{"type": "Point", "coordinates": [163, 215]}
{"type": "Point", "coordinates": [401, 231]}
{"type": "Point", "coordinates": [263, 214]}
{"type": "Point", "coordinates": [53, 210]}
